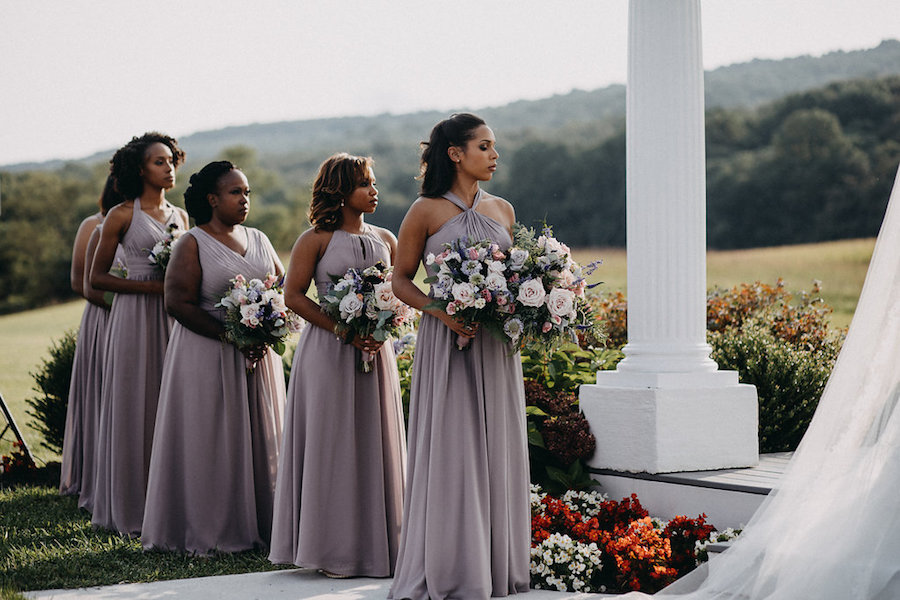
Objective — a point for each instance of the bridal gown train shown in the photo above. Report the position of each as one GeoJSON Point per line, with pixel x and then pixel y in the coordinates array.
{"type": "Point", "coordinates": [831, 528]}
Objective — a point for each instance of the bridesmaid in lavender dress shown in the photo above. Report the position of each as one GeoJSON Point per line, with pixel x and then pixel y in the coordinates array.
{"type": "Point", "coordinates": [83, 411]}
{"type": "Point", "coordinates": [87, 347]}
{"type": "Point", "coordinates": [138, 329]}
{"type": "Point", "coordinates": [466, 525]}
{"type": "Point", "coordinates": [218, 427]}
{"type": "Point", "coordinates": [338, 500]}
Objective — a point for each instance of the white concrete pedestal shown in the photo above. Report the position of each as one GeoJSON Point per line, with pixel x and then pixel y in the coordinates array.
{"type": "Point", "coordinates": [667, 408]}
{"type": "Point", "coordinates": [686, 422]}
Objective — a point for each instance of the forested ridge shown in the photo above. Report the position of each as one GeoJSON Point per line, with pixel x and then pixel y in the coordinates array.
{"type": "Point", "coordinates": [809, 166]}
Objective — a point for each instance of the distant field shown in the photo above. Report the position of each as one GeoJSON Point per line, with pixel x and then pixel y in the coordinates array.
{"type": "Point", "coordinates": [840, 266]}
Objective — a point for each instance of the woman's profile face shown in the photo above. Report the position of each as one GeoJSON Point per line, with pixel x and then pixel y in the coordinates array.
{"type": "Point", "coordinates": [231, 200]}
{"type": "Point", "coordinates": [478, 158]}
{"type": "Point", "coordinates": [158, 170]}
{"type": "Point", "coordinates": [364, 197]}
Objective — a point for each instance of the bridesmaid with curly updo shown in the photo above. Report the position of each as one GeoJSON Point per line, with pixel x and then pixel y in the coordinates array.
{"type": "Point", "coordinates": [340, 477]}
{"type": "Point", "coordinates": [218, 427]}
{"type": "Point", "coordinates": [139, 327]}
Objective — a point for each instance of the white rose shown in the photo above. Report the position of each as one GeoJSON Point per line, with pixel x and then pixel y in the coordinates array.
{"type": "Point", "coordinates": [464, 293]}
{"type": "Point", "coordinates": [531, 293]}
{"type": "Point", "coordinates": [517, 258]}
{"type": "Point", "coordinates": [561, 302]}
{"type": "Point", "coordinates": [248, 315]}
{"type": "Point", "coordinates": [351, 306]}
{"type": "Point", "coordinates": [384, 296]}
{"type": "Point", "coordinates": [480, 302]}
{"type": "Point", "coordinates": [495, 282]}
{"type": "Point", "coordinates": [495, 266]}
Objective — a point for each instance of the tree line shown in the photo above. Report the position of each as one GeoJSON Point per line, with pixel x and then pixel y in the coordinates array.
{"type": "Point", "coordinates": [813, 166]}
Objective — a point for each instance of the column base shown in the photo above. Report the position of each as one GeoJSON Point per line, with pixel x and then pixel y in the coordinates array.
{"type": "Point", "coordinates": [661, 423]}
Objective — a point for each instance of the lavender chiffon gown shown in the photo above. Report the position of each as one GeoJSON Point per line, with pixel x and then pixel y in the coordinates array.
{"type": "Point", "coordinates": [338, 500]}
{"type": "Point", "coordinates": [83, 410]}
{"type": "Point", "coordinates": [218, 428]}
{"type": "Point", "coordinates": [137, 335]}
{"type": "Point", "coordinates": [467, 522]}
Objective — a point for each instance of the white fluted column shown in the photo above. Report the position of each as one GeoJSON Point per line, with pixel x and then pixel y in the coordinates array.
{"type": "Point", "coordinates": [667, 385]}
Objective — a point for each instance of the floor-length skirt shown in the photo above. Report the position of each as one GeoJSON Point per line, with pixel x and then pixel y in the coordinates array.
{"type": "Point", "coordinates": [466, 529]}
{"type": "Point", "coordinates": [215, 448]}
{"type": "Point", "coordinates": [338, 503]}
{"type": "Point", "coordinates": [137, 335]}
{"type": "Point", "coordinates": [83, 412]}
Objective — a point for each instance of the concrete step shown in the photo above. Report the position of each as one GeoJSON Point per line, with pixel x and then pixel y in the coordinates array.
{"type": "Point", "coordinates": [728, 497]}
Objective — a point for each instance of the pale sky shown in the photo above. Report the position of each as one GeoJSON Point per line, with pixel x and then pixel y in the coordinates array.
{"type": "Point", "coordinates": [79, 76]}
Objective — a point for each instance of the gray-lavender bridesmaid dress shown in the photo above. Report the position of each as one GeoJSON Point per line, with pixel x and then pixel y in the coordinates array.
{"type": "Point", "coordinates": [82, 412]}
{"type": "Point", "coordinates": [467, 522]}
{"type": "Point", "coordinates": [218, 428]}
{"type": "Point", "coordinates": [338, 500]}
{"type": "Point", "coordinates": [137, 335]}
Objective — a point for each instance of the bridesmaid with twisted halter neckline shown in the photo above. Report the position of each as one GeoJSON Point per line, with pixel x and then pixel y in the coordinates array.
{"type": "Point", "coordinates": [467, 522]}
{"type": "Point", "coordinates": [338, 499]}
{"type": "Point", "coordinates": [138, 330]}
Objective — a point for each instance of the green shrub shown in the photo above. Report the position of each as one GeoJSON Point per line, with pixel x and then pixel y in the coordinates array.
{"type": "Point", "coordinates": [778, 341]}
{"type": "Point", "coordinates": [789, 379]}
{"type": "Point", "coordinates": [559, 436]}
{"type": "Point", "coordinates": [48, 409]}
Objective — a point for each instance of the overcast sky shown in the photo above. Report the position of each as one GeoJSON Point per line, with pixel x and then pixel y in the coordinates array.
{"type": "Point", "coordinates": [78, 76]}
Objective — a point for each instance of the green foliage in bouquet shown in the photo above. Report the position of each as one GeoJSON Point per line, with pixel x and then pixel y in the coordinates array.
{"type": "Point", "coordinates": [48, 408]}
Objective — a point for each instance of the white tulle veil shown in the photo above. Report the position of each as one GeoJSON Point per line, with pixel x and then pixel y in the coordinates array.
{"type": "Point", "coordinates": [831, 530]}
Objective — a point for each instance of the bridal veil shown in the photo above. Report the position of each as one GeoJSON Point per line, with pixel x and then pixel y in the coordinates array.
{"type": "Point", "coordinates": [831, 529]}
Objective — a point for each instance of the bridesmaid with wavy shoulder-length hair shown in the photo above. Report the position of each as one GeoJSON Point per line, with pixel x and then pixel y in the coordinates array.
{"type": "Point", "coordinates": [138, 330]}
{"type": "Point", "coordinates": [218, 427]}
{"type": "Point", "coordinates": [467, 520]}
{"type": "Point", "coordinates": [338, 500]}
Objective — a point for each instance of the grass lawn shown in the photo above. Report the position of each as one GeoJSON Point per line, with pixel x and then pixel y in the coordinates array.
{"type": "Point", "coordinates": [46, 542]}
{"type": "Point", "coordinates": [840, 266]}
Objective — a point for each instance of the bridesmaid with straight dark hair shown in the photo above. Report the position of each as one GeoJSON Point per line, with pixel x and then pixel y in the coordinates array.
{"type": "Point", "coordinates": [338, 501]}
{"type": "Point", "coordinates": [83, 410]}
{"type": "Point", "coordinates": [138, 327]}
{"type": "Point", "coordinates": [467, 520]}
{"type": "Point", "coordinates": [218, 427]}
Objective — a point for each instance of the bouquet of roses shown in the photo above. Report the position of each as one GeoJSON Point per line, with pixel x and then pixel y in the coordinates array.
{"type": "Point", "coordinates": [162, 250]}
{"type": "Point", "coordinates": [363, 303]}
{"type": "Point", "coordinates": [531, 294]}
{"type": "Point", "coordinates": [548, 288]}
{"type": "Point", "coordinates": [468, 283]}
{"type": "Point", "coordinates": [255, 316]}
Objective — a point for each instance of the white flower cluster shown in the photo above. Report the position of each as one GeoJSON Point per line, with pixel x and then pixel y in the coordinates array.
{"type": "Point", "coordinates": [586, 503]}
{"type": "Point", "coordinates": [715, 537]}
{"type": "Point", "coordinates": [561, 564]}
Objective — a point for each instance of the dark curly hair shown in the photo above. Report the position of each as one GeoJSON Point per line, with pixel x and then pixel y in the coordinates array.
{"type": "Point", "coordinates": [109, 197]}
{"type": "Point", "coordinates": [436, 170]}
{"type": "Point", "coordinates": [126, 163]}
{"type": "Point", "coordinates": [338, 176]}
{"type": "Point", "coordinates": [203, 183]}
